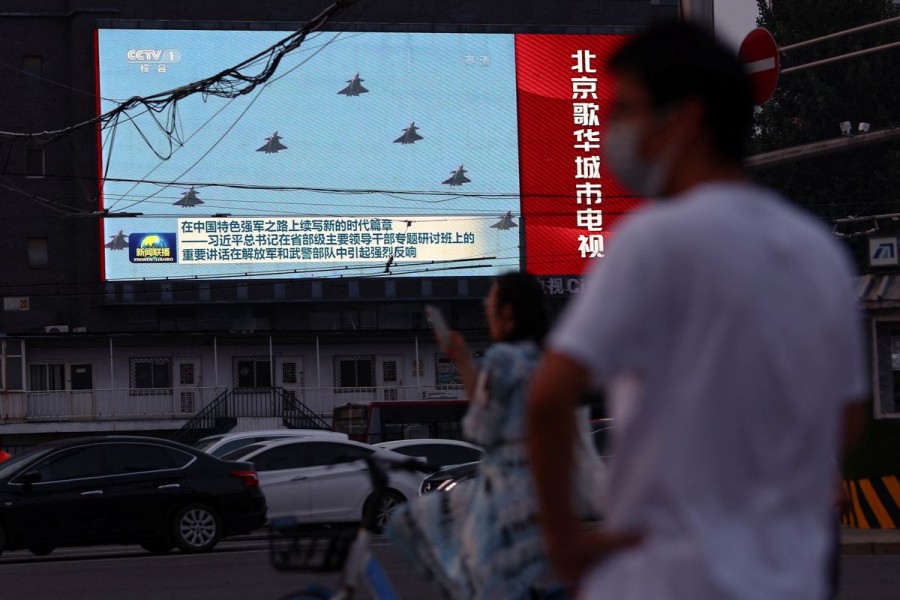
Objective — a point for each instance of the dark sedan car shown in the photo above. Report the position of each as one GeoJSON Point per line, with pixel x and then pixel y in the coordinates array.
{"type": "Point", "coordinates": [125, 490]}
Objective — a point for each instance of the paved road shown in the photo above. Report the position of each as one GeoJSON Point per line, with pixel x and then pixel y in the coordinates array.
{"type": "Point", "coordinates": [870, 577]}
{"type": "Point", "coordinates": [234, 571]}
{"type": "Point", "coordinates": [241, 571]}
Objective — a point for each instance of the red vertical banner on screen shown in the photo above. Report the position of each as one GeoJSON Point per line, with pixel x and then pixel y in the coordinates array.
{"type": "Point", "coordinates": [570, 202]}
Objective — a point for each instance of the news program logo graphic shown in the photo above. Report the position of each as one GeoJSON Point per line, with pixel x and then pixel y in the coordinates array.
{"type": "Point", "coordinates": [883, 252]}
{"type": "Point", "coordinates": [152, 247]}
{"type": "Point", "coordinates": [149, 55]}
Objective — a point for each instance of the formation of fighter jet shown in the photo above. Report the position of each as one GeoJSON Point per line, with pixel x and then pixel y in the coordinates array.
{"type": "Point", "coordinates": [409, 135]}
{"type": "Point", "coordinates": [457, 177]}
{"type": "Point", "coordinates": [505, 222]}
{"type": "Point", "coordinates": [355, 88]}
{"type": "Point", "coordinates": [272, 144]}
{"type": "Point", "coordinates": [118, 241]}
{"type": "Point", "coordinates": [189, 198]}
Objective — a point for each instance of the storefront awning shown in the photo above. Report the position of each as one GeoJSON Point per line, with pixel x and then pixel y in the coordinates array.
{"type": "Point", "coordinates": [879, 290]}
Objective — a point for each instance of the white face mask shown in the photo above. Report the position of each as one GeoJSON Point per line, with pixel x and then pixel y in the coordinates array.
{"type": "Point", "coordinates": [646, 178]}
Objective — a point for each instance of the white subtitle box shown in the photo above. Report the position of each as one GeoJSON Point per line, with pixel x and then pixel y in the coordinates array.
{"type": "Point", "coordinates": [219, 240]}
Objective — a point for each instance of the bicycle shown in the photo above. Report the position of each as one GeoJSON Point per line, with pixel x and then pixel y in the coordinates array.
{"type": "Point", "coordinates": [294, 547]}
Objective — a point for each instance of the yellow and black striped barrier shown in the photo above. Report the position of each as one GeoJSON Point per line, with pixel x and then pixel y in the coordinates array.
{"type": "Point", "coordinates": [874, 503]}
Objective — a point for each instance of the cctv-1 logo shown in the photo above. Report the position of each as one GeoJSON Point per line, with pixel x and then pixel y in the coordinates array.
{"type": "Point", "coordinates": [144, 55]}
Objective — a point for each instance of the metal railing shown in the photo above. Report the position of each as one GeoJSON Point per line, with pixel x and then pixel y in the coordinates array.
{"type": "Point", "coordinates": [212, 419]}
{"type": "Point", "coordinates": [323, 400]}
{"type": "Point", "coordinates": [315, 404]}
{"type": "Point", "coordinates": [222, 414]}
{"type": "Point", "coordinates": [117, 404]}
{"type": "Point", "coordinates": [297, 415]}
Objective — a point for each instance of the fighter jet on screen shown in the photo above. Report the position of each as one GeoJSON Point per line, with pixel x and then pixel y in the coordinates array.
{"type": "Point", "coordinates": [189, 198]}
{"type": "Point", "coordinates": [118, 241]}
{"type": "Point", "coordinates": [458, 177]}
{"type": "Point", "coordinates": [409, 135]}
{"type": "Point", "coordinates": [505, 222]}
{"type": "Point", "coordinates": [355, 88]}
{"type": "Point", "coordinates": [272, 144]}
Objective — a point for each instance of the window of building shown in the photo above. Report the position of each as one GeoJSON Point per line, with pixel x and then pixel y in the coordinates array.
{"type": "Point", "coordinates": [12, 373]}
{"type": "Point", "coordinates": [38, 258]}
{"type": "Point", "coordinates": [187, 374]}
{"type": "Point", "coordinates": [34, 161]}
{"type": "Point", "coordinates": [289, 373]}
{"type": "Point", "coordinates": [47, 377]}
{"type": "Point", "coordinates": [252, 373]}
{"type": "Point", "coordinates": [446, 375]}
{"type": "Point", "coordinates": [150, 376]}
{"type": "Point", "coordinates": [354, 372]}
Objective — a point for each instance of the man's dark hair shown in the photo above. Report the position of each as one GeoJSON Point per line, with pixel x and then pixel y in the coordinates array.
{"type": "Point", "coordinates": [523, 292]}
{"type": "Point", "coordinates": [677, 61]}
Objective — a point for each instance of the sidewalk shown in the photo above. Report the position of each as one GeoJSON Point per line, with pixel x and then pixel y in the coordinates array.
{"type": "Point", "coordinates": [870, 541]}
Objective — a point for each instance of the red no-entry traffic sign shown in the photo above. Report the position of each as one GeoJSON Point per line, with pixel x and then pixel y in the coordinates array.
{"type": "Point", "coordinates": [759, 54]}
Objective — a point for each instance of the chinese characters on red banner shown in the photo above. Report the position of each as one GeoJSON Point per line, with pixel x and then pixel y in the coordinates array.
{"type": "Point", "coordinates": [570, 203]}
{"type": "Point", "coordinates": [588, 189]}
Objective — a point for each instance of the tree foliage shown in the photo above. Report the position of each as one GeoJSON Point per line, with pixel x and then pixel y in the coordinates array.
{"type": "Point", "coordinates": [808, 106]}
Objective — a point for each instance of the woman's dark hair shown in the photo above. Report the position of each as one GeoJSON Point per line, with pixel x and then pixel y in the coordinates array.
{"type": "Point", "coordinates": [523, 292]}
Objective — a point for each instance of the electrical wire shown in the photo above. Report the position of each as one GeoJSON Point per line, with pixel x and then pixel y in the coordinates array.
{"type": "Point", "coordinates": [236, 121]}
{"type": "Point", "coordinates": [230, 83]}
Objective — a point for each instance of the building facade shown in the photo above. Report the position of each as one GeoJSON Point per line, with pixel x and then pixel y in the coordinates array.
{"type": "Point", "coordinates": [82, 352]}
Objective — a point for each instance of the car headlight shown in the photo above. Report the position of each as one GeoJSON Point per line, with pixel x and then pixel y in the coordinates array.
{"type": "Point", "coordinates": [447, 485]}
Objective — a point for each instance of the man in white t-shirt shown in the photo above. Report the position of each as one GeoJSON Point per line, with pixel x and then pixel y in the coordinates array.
{"type": "Point", "coordinates": [723, 325]}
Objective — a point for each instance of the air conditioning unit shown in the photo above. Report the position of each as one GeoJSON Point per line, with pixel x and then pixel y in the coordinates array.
{"type": "Point", "coordinates": [79, 330]}
{"type": "Point", "coordinates": [56, 329]}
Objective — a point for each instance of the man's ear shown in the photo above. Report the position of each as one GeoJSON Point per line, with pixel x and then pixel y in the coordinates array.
{"type": "Point", "coordinates": [693, 114]}
{"type": "Point", "coordinates": [507, 313]}
{"type": "Point", "coordinates": [684, 121]}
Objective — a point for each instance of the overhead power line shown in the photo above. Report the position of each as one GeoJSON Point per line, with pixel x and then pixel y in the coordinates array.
{"type": "Point", "coordinates": [820, 148]}
{"type": "Point", "coordinates": [838, 34]}
{"type": "Point", "coordinates": [230, 83]}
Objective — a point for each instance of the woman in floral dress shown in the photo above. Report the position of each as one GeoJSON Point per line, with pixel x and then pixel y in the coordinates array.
{"type": "Point", "coordinates": [481, 539]}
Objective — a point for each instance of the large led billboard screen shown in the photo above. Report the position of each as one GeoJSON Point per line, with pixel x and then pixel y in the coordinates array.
{"type": "Point", "coordinates": [366, 154]}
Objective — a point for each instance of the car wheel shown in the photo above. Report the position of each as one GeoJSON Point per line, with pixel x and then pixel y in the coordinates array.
{"type": "Point", "coordinates": [41, 550]}
{"type": "Point", "coordinates": [196, 528]}
{"type": "Point", "coordinates": [158, 547]}
{"type": "Point", "coordinates": [383, 511]}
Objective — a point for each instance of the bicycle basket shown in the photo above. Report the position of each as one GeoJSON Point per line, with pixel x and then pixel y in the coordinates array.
{"type": "Point", "coordinates": [296, 548]}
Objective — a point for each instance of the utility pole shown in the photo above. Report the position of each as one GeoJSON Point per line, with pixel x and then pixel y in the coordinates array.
{"type": "Point", "coordinates": [821, 148]}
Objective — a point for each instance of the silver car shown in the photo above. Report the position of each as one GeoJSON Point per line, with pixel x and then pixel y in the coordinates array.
{"type": "Point", "coordinates": [324, 480]}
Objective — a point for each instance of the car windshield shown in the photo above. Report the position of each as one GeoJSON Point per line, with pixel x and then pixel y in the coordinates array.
{"type": "Point", "coordinates": [12, 465]}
